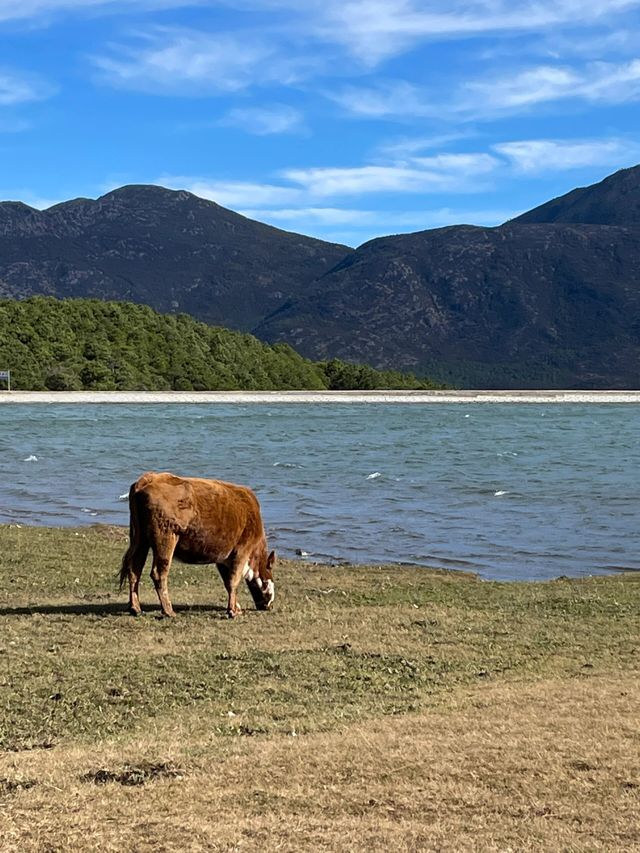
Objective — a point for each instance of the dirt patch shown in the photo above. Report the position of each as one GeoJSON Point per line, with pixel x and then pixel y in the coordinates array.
{"type": "Point", "coordinates": [134, 774]}
{"type": "Point", "coordinates": [12, 786]}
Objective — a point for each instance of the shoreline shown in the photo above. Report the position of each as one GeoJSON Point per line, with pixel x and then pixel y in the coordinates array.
{"type": "Point", "coordinates": [378, 396]}
{"type": "Point", "coordinates": [113, 532]}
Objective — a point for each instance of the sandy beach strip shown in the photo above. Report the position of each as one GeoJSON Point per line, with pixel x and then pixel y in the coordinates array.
{"type": "Point", "coordinates": [245, 397]}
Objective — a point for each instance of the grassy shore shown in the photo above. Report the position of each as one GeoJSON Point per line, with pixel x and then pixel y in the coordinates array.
{"type": "Point", "coordinates": [374, 709]}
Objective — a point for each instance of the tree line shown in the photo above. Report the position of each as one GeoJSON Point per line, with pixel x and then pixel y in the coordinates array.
{"type": "Point", "coordinates": [87, 344]}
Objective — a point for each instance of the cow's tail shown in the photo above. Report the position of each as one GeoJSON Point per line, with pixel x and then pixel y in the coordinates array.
{"type": "Point", "coordinates": [137, 537]}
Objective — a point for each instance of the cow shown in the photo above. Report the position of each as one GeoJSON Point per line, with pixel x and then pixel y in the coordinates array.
{"type": "Point", "coordinates": [198, 521]}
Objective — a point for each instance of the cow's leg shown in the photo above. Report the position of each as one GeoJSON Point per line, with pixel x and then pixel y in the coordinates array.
{"type": "Point", "coordinates": [135, 563]}
{"type": "Point", "coordinates": [163, 549]}
{"type": "Point", "coordinates": [224, 574]}
{"type": "Point", "coordinates": [232, 581]}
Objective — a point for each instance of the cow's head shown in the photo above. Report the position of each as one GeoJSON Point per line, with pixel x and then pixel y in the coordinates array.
{"type": "Point", "coordinates": [260, 579]}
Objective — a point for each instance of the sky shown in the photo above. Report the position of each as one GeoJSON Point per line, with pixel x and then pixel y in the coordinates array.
{"type": "Point", "coordinates": [340, 119]}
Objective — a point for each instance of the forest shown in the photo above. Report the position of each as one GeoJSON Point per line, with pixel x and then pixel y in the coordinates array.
{"type": "Point", "coordinates": [87, 344]}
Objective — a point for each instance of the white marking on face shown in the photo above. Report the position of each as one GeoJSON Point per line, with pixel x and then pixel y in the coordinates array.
{"type": "Point", "coordinates": [270, 590]}
{"type": "Point", "coordinates": [247, 572]}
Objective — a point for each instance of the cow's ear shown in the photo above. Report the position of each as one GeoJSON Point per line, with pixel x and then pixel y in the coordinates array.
{"type": "Point", "coordinates": [271, 560]}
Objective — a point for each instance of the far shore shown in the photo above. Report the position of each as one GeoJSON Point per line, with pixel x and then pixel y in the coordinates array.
{"type": "Point", "coordinates": [380, 396]}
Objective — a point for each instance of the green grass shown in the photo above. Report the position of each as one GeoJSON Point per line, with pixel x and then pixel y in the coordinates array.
{"type": "Point", "coordinates": [342, 644]}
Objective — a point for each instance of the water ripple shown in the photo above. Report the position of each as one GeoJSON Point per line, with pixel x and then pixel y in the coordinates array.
{"type": "Point", "coordinates": [500, 491]}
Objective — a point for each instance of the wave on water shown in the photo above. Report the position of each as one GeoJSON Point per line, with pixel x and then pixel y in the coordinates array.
{"type": "Point", "coordinates": [31, 458]}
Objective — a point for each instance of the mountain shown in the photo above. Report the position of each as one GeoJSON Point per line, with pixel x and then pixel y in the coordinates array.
{"type": "Point", "coordinates": [614, 201]}
{"type": "Point", "coordinates": [515, 306]}
{"type": "Point", "coordinates": [171, 250]}
{"type": "Point", "coordinates": [550, 299]}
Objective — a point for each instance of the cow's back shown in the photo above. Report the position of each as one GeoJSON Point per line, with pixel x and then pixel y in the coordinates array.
{"type": "Point", "coordinates": [211, 517]}
{"type": "Point", "coordinates": [163, 502]}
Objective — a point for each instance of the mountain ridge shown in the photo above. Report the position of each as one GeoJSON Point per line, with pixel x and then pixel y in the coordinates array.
{"type": "Point", "coordinates": [167, 248]}
{"type": "Point", "coordinates": [547, 299]}
{"type": "Point", "coordinates": [597, 204]}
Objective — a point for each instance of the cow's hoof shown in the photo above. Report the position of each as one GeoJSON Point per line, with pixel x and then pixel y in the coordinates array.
{"type": "Point", "coordinates": [136, 613]}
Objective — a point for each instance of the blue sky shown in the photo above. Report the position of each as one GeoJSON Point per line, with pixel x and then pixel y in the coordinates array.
{"type": "Point", "coordinates": [342, 119]}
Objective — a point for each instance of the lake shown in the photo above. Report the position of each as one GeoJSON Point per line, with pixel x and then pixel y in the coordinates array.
{"type": "Point", "coordinates": [514, 491]}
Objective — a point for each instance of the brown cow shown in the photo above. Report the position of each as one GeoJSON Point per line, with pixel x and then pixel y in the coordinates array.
{"type": "Point", "coordinates": [200, 521]}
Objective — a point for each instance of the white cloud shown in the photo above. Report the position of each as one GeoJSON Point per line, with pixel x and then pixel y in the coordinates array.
{"type": "Point", "coordinates": [391, 98]}
{"type": "Point", "coordinates": [265, 121]}
{"type": "Point", "coordinates": [19, 88]}
{"type": "Point", "coordinates": [16, 9]}
{"type": "Point", "coordinates": [374, 30]}
{"type": "Point", "coordinates": [335, 181]}
{"type": "Point", "coordinates": [545, 83]}
{"type": "Point", "coordinates": [590, 44]}
{"type": "Point", "coordinates": [401, 149]}
{"type": "Point", "coordinates": [596, 82]}
{"type": "Point", "coordinates": [442, 173]}
{"type": "Point", "coordinates": [517, 91]}
{"type": "Point", "coordinates": [355, 226]}
{"type": "Point", "coordinates": [302, 189]}
{"type": "Point", "coordinates": [612, 83]}
{"type": "Point", "coordinates": [315, 215]}
{"type": "Point", "coordinates": [11, 10]}
{"type": "Point", "coordinates": [546, 155]}
{"type": "Point", "coordinates": [234, 194]}
{"type": "Point", "coordinates": [171, 61]}
{"type": "Point", "coordinates": [507, 93]}
{"type": "Point", "coordinates": [391, 219]}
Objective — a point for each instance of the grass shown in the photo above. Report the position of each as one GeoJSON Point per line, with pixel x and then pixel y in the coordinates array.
{"type": "Point", "coordinates": [374, 708]}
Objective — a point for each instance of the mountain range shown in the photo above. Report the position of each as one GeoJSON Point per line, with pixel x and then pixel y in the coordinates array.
{"type": "Point", "coordinates": [549, 299]}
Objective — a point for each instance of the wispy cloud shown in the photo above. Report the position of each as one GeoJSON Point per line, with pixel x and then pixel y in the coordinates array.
{"type": "Point", "coordinates": [302, 187]}
{"type": "Point", "coordinates": [266, 121]}
{"type": "Point", "coordinates": [442, 173]}
{"type": "Point", "coordinates": [309, 200]}
{"type": "Point", "coordinates": [407, 147]}
{"type": "Point", "coordinates": [179, 61]}
{"type": "Point", "coordinates": [354, 226]}
{"type": "Point", "coordinates": [234, 194]}
{"type": "Point", "coordinates": [546, 155]}
{"type": "Point", "coordinates": [387, 98]}
{"type": "Point", "coordinates": [391, 219]}
{"type": "Point", "coordinates": [13, 10]}
{"type": "Point", "coordinates": [599, 81]}
{"type": "Point", "coordinates": [377, 29]}
{"type": "Point", "coordinates": [18, 88]}
{"type": "Point", "coordinates": [315, 215]}
{"type": "Point", "coordinates": [496, 95]}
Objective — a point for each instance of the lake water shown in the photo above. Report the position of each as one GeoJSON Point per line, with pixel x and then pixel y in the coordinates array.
{"type": "Point", "coordinates": [513, 491]}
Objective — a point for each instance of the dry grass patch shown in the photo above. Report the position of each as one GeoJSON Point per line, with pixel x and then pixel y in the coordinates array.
{"type": "Point", "coordinates": [550, 766]}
